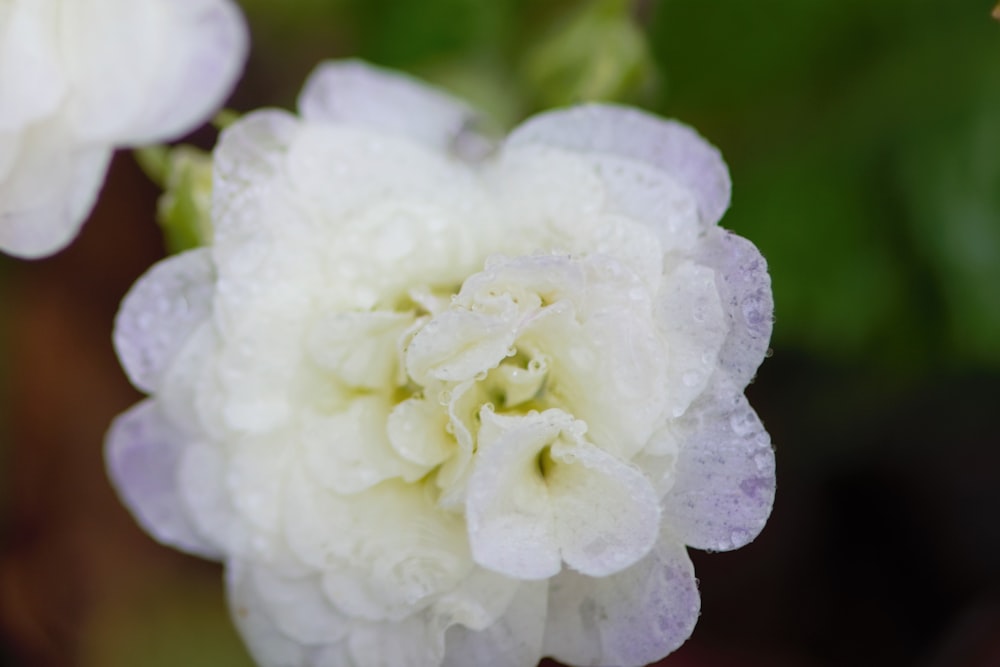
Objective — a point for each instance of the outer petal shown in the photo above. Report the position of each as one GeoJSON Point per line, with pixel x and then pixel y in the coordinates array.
{"type": "Point", "coordinates": [147, 70]}
{"type": "Point", "coordinates": [354, 93]}
{"type": "Point", "coordinates": [669, 146]}
{"type": "Point", "coordinates": [160, 312]}
{"type": "Point", "coordinates": [629, 619]}
{"type": "Point", "coordinates": [143, 453]}
{"type": "Point", "coordinates": [745, 291]}
{"type": "Point", "coordinates": [48, 192]}
{"type": "Point", "coordinates": [725, 482]}
{"type": "Point", "coordinates": [514, 640]}
{"type": "Point", "coordinates": [30, 73]}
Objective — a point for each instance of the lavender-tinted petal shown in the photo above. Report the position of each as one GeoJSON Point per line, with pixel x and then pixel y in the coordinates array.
{"type": "Point", "coordinates": [142, 454]}
{"type": "Point", "coordinates": [629, 619]}
{"type": "Point", "coordinates": [725, 473]}
{"type": "Point", "coordinates": [629, 133]}
{"type": "Point", "coordinates": [745, 293]}
{"type": "Point", "coordinates": [352, 92]}
{"type": "Point", "coordinates": [160, 312]}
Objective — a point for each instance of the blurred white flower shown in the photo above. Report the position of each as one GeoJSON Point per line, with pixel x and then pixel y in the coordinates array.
{"type": "Point", "coordinates": [79, 78]}
{"type": "Point", "coordinates": [434, 406]}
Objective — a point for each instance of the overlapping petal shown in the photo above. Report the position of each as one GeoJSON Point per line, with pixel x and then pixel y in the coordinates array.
{"type": "Point", "coordinates": [628, 619]}
{"type": "Point", "coordinates": [143, 457]}
{"type": "Point", "coordinates": [80, 78]}
{"type": "Point", "coordinates": [440, 409]}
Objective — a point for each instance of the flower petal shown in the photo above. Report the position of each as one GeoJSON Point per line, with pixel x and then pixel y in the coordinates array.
{"type": "Point", "coordinates": [360, 348]}
{"type": "Point", "coordinates": [350, 451]}
{"type": "Point", "coordinates": [148, 71]}
{"type": "Point", "coordinates": [514, 640]}
{"type": "Point", "coordinates": [48, 192]}
{"type": "Point", "coordinates": [629, 133]}
{"type": "Point", "coordinates": [725, 482]}
{"type": "Point", "coordinates": [628, 619]}
{"type": "Point", "coordinates": [143, 453]}
{"type": "Point", "coordinates": [247, 160]}
{"type": "Point", "coordinates": [607, 513]}
{"type": "Point", "coordinates": [509, 514]}
{"type": "Point", "coordinates": [202, 480]}
{"type": "Point", "coordinates": [251, 609]}
{"type": "Point", "coordinates": [160, 312]}
{"type": "Point", "coordinates": [30, 72]}
{"type": "Point", "coordinates": [355, 93]}
{"type": "Point", "coordinates": [457, 344]}
{"type": "Point", "coordinates": [693, 323]}
{"type": "Point", "coordinates": [298, 606]}
{"type": "Point", "coordinates": [745, 291]}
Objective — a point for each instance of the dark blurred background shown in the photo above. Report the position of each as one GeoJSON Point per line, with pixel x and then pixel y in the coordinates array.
{"type": "Point", "coordinates": [863, 138]}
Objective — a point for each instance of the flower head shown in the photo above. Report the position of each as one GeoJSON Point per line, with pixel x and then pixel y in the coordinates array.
{"type": "Point", "coordinates": [79, 78]}
{"type": "Point", "coordinates": [439, 405]}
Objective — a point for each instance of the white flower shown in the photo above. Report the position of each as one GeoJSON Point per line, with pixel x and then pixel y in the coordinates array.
{"type": "Point", "coordinates": [79, 78]}
{"type": "Point", "coordinates": [433, 409]}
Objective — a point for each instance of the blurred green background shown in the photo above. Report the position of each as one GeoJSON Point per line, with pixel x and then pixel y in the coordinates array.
{"type": "Point", "coordinates": [863, 138]}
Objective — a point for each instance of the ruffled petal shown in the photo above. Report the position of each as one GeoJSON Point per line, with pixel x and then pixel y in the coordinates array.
{"type": "Point", "coordinates": [629, 133]}
{"type": "Point", "coordinates": [607, 513]}
{"type": "Point", "coordinates": [745, 292]}
{"type": "Point", "coordinates": [514, 640]}
{"type": "Point", "coordinates": [142, 453]}
{"type": "Point", "coordinates": [251, 610]}
{"type": "Point", "coordinates": [360, 348]}
{"type": "Point", "coordinates": [297, 604]}
{"type": "Point", "coordinates": [456, 345]}
{"type": "Point", "coordinates": [509, 514]}
{"type": "Point", "coordinates": [412, 642]}
{"type": "Point", "coordinates": [350, 451]}
{"type": "Point", "coordinates": [145, 71]}
{"type": "Point", "coordinates": [629, 619]}
{"type": "Point", "coordinates": [160, 313]}
{"type": "Point", "coordinates": [725, 477]}
{"type": "Point", "coordinates": [352, 92]}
